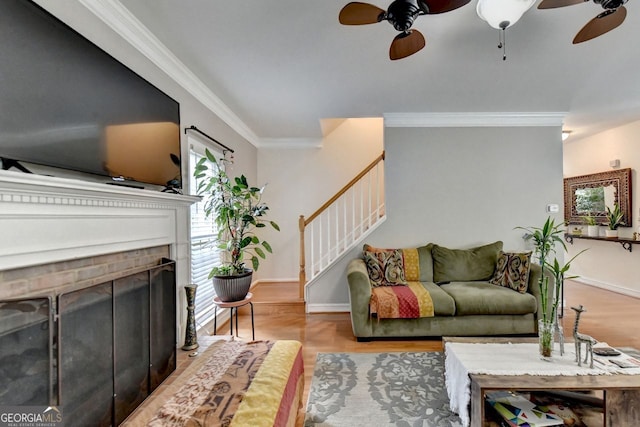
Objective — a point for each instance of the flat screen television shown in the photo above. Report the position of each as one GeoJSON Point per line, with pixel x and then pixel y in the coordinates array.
{"type": "Point", "coordinates": [66, 103]}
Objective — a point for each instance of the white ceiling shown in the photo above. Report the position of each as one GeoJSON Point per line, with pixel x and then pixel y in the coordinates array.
{"type": "Point", "coordinates": [283, 65]}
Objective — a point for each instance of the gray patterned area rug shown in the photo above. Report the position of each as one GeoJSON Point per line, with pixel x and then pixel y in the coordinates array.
{"type": "Point", "coordinates": [379, 389]}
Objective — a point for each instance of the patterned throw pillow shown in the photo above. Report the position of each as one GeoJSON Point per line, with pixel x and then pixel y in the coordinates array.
{"type": "Point", "coordinates": [512, 271]}
{"type": "Point", "coordinates": [384, 266]}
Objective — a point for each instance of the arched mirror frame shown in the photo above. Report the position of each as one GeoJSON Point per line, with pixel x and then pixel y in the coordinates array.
{"type": "Point", "coordinates": [619, 179]}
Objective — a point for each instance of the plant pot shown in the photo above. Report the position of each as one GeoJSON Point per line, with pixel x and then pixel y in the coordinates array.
{"type": "Point", "coordinates": [233, 288]}
{"type": "Point", "coordinates": [546, 333]}
{"type": "Point", "coordinates": [593, 230]}
{"type": "Point", "coordinates": [611, 233]}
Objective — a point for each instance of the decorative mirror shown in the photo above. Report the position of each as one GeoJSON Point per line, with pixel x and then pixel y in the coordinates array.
{"type": "Point", "coordinates": [589, 195]}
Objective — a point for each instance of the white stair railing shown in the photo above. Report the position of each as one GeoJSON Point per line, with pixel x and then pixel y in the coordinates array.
{"type": "Point", "coordinates": [341, 222]}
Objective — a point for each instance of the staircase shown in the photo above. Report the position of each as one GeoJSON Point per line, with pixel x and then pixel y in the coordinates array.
{"type": "Point", "coordinates": [341, 223]}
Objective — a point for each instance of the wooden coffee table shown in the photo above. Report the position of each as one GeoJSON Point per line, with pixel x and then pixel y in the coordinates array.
{"type": "Point", "coordinates": [621, 393]}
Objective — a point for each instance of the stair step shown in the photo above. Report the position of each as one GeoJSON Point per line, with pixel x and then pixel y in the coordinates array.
{"type": "Point", "coordinates": [276, 291]}
{"type": "Point", "coordinates": [273, 298]}
{"type": "Point", "coordinates": [269, 308]}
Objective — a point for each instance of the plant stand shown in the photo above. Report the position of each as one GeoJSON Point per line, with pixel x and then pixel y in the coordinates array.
{"type": "Point", "coordinates": [233, 306]}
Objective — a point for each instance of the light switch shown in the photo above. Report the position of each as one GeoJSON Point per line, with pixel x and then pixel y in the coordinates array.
{"type": "Point", "coordinates": [553, 208]}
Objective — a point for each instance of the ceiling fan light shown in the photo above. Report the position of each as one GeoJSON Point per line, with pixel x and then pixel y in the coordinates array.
{"type": "Point", "coordinates": [501, 14]}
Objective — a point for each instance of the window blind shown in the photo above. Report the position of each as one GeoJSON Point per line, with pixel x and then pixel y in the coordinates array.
{"type": "Point", "coordinates": [204, 254]}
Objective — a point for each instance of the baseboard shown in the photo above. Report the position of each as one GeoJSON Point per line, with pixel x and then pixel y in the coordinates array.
{"type": "Point", "coordinates": [608, 286]}
{"type": "Point", "coordinates": [328, 308]}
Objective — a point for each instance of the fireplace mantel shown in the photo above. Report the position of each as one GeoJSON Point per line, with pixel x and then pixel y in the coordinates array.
{"type": "Point", "coordinates": [46, 219]}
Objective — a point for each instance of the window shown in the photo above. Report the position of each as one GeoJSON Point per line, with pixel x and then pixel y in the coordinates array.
{"type": "Point", "coordinates": [204, 254]}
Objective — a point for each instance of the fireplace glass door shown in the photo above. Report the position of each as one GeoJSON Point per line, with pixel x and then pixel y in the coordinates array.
{"type": "Point", "coordinates": [131, 343]}
{"type": "Point", "coordinates": [26, 337]}
{"type": "Point", "coordinates": [163, 322]}
{"type": "Point", "coordinates": [86, 356]}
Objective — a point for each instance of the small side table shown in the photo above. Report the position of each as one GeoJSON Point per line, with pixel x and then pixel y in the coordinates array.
{"type": "Point", "coordinates": [233, 306]}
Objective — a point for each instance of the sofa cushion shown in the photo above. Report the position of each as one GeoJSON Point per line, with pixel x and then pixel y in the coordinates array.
{"type": "Point", "coordinates": [443, 303]}
{"type": "Point", "coordinates": [484, 298]}
{"type": "Point", "coordinates": [463, 265]}
{"type": "Point", "coordinates": [426, 263]}
{"type": "Point", "coordinates": [385, 267]}
{"type": "Point", "coordinates": [512, 271]}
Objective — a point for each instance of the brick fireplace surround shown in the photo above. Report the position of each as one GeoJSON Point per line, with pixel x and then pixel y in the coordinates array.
{"type": "Point", "coordinates": [62, 234]}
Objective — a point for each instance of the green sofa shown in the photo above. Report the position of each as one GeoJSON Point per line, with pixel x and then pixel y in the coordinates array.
{"type": "Point", "coordinates": [465, 303]}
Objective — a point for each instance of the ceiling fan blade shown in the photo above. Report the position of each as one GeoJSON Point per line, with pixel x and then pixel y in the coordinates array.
{"type": "Point", "coordinates": [357, 13]}
{"type": "Point", "coordinates": [442, 6]}
{"type": "Point", "coordinates": [406, 44]}
{"type": "Point", "coordinates": [605, 22]}
{"type": "Point", "coordinates": [552, 4]}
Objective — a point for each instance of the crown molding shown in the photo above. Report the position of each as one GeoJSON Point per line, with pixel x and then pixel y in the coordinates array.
{"type": "Point", "coordinates": [297, 143]}
{"type": "Point", "coordinates": [482, 119]}
{"type": "Point", "coordinates": [124, 23]}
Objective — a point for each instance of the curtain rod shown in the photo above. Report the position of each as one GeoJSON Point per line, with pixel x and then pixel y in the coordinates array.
{"type": "Point", "coordinates": [192, 127]}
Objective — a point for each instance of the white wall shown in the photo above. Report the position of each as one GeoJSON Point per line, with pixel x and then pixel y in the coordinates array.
{"type": "Point", "coordinates": [301, 180]}
{"type": "Point", "coordinates": [607, 264]}
{"type": "Point", "coordinates": [466, 186]}
{"type": "Point", "coordinates": [459, 187]}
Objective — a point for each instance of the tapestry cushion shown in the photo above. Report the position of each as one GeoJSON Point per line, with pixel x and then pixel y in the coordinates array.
{"type": "Point", "coordinates": [411, 262]}
{"type": "Point", "coordinates": [385, 267]}
{"type": "Point", "coordinates": [512, 271]}
{"type": "Point", "coordinates": [401, 302]}
{"type": "Point", "coordinates": [464, 265]}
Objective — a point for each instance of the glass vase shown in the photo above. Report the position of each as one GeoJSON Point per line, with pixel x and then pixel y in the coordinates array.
{"type": "Point", "coordinates": [546, 334]}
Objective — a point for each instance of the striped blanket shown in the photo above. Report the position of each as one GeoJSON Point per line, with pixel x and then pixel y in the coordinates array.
{"type": "Point", "coordinates": [401, 302]}
{"type": "Point", "coordinates": [239, 384]}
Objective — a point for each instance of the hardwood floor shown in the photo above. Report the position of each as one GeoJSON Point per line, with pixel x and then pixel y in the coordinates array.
{"type": "Point", "coordinates": [610, 317]}
{"type": "Point", "coordinates": [279, 314]}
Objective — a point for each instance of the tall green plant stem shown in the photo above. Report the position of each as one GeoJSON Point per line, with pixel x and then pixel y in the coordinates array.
{"type": "Point", "coordinates": [238, 210]}
{"type": "Point", "coordinates": [545, 240]}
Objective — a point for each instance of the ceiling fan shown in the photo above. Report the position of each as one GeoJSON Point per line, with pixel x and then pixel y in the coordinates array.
{"type": "Point", "coordinates": [400, 14]}
{"type": "Point", "coordinates": [613, 15]}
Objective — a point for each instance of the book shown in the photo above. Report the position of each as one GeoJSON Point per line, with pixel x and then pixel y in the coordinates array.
{"type": "Point", "coordinates": [518, 411]}
{"type": "Point", "coordinates": [558, 407]}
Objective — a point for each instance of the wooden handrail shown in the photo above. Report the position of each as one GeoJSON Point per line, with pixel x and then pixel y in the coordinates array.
{"type": "Point", "coordinates": [344, 189]}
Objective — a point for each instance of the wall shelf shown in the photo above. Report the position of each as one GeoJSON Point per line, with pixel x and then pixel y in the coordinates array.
{"type": "Point", "coordinates": [627, 244]}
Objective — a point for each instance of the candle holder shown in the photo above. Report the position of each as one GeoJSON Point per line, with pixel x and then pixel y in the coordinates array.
{"type": "Point", "coordinates": [191, 337]}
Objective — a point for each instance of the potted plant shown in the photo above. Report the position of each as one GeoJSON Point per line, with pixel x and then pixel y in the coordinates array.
{"type": "Point", "coordinates": [593, 230]}
{"type": "Point", "coordinates": [545, 240]}
{"type": "Point", "coordinates": [238, 211]}
{"type": "Point", "coordinates": [614, 220]}
{"type": "Point", "coordinates": [559, 272]}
